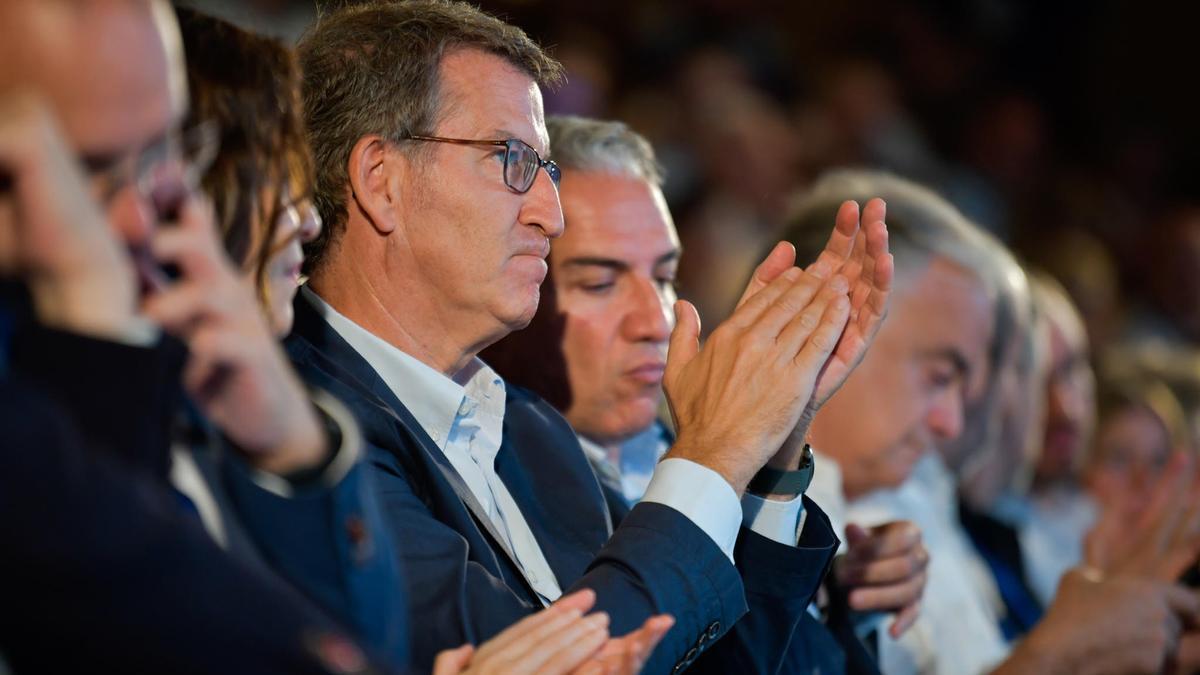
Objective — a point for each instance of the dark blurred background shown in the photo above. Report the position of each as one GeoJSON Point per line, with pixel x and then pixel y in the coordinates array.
{"type": "Point", "coordinates": [1066, 128]}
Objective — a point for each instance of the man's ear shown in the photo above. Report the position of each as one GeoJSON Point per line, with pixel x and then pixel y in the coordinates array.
{"type": "Point", "coordinates": [372, 160]}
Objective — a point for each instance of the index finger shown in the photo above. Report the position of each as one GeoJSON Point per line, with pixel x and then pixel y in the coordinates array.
{"type": "Point", "coordinates": [778, 261]}
{"type": "Point", "coordinates": [841, 242]}
{"type": "Point", "coordinates": [886, 540]}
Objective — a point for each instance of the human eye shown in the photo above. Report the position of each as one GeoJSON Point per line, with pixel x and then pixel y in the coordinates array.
{"type": "Point", "coordinates": [597, 288]}
{"type": "Point", "coordinates": [941, 375]}
{"type": "Point", "coordinates": [596, 284]}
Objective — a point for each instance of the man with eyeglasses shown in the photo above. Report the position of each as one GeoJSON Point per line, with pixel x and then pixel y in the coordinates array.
{"type": "Point", "coordinates": [81, 324]}
{"type": "Point", "coordinates": [440, 203]}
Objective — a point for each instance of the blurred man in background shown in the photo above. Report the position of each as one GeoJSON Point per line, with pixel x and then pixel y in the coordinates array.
{"type": "Point", "coordinates": [932, 361]}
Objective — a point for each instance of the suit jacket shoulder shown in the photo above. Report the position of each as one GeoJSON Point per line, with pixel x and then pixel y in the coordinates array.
{"type": "Point", "coordinates": [463, 583]}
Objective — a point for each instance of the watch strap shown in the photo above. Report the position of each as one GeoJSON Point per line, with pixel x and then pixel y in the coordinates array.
{"type": "Point", "coordinates": [769, 481]}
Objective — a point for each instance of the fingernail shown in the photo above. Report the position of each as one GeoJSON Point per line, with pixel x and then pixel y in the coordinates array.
{"type": "Point", "coordinates": [792, 274]}
{"type": "Point", "coordinates": [839, 284]}
{"type": "Point", "coordinates": [598, 619]}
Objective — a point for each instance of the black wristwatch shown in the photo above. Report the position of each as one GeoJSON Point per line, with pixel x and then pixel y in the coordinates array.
{"type": "Point", "coordinates": [770, 481]}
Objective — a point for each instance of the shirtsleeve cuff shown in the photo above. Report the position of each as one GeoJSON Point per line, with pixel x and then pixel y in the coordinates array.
{"type": "Point", "coordinates": [702, 496]}
{"type": "Point", "coordinates": [778, 521]}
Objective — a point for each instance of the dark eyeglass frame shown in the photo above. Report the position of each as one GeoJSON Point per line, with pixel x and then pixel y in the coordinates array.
{"type": "Point", "coordinates": [511, 146]}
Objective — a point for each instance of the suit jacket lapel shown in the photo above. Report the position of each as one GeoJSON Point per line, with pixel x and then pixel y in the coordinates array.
{"type": "Point", "coordinates": [553, 484]}
{"type": "Point", "coordinates": [340, 356]}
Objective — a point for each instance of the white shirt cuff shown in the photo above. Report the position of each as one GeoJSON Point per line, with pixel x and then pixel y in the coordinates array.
{"type": "Point", "coordinates": [700, 494]}
{"type": "Point", "coordinates": [775, 520]}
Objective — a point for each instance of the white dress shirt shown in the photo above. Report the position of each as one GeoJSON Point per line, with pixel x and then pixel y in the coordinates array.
{"type": "Point", "coordinates": [464, 415]}
{"type": "Point", "coordinates": [958, 630]}
{"type": "Point", "coordinates": [630, 467]}
{"type": "Point", "coordinates": [1052, 537]}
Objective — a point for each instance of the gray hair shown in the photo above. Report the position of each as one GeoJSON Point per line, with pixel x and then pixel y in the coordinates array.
{"type": "Point", "coordinates": [373, 68]}
{"type": "Point", "coordinates": [921, 224]}
{"type": "Point", "coordinates": [583, 144]}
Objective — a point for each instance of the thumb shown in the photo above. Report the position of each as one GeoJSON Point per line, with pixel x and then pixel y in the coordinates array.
{"type": "Point", "coordinates": [685, 338]}
{"type": "Point", "coordinates": [453, 661]}
{"type": "Point", "coordinates": [856, 534]}
{"type": "Point", "coordinates": [779, 260]}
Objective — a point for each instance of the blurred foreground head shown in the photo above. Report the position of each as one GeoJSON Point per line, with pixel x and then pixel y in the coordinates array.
{"type": "Point", "coordinates": [931, 356]}
{"type": "Point", "coordinates": [112, 70]}
{"type": "Point", "coordinates": [260, 182]}
{"type": "Point", "coordinates": [596, 349]}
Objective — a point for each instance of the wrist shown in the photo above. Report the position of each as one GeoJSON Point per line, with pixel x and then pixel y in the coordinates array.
{"type": "Point", "coordinates": [83, 307]}
{"type": "Point", "coordinates": [791, 454]}
{"type": "Point", "coordinates": [700, 453]}
{"type": "Point", "coordinates": [1039, 652]}
{"type": "Point", "coordinates": [306, 447]}
{"type": "Point", "coordinates": [784, 485]}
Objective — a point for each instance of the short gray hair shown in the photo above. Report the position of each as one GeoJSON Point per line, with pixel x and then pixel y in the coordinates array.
{"type": "Point", "coordinates": [583, 144]}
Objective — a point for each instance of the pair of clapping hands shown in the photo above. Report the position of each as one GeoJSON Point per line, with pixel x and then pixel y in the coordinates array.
{"type": "Point", "coordinates": [748, 397]}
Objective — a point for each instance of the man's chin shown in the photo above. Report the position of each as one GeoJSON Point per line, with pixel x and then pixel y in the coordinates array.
{"type": "Point", "coordinates": [515, 315]}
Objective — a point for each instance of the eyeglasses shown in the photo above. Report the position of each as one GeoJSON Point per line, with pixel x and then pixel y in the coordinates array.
{"type": "Point", "coordinates": [160, 171]}
{"type": "Point", "coordinates": [521, 161]}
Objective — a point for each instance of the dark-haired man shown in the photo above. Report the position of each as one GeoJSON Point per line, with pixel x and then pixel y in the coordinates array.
{"type": "Point", "coordinates": [439, 202]}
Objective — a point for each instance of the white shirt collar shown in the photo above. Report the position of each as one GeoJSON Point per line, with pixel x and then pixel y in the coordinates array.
{"type": "Point", "coordinates": [432, 398]}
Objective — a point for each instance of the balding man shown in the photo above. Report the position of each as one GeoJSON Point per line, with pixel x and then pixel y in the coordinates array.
{"type": "Point", "coordinates": [103, 561]}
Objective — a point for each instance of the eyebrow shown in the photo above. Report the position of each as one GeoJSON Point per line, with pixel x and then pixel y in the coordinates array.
{"type": "Point", "coordinates": [613, 263]}
{"type": "Point", "coordinates": [505, 134]}
{"type": "Point", "coordinates": [954, 356]}
{"type": "Point", "coordinates": [104, 159]}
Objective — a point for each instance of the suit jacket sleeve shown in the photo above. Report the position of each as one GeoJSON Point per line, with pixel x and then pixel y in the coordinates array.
{"type": "Point", "coordinates": [329, 541]}
{"type": "Point", "coordinates": [778, 635]}
{"type": "Point", "coordinates": [122, 397]}
{"type": "Point", "coordinates": [656, 561]}
{"type": "Point", "coordinates": [100, 568]}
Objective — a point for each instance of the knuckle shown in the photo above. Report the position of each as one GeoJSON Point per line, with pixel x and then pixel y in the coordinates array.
{"type": "Point", "coordinates": [821, 342]}
{"type": "Point", "coordinates": [807, 321]}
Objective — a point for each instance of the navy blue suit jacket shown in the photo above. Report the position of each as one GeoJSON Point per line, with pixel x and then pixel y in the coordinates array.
{"type": "Point", "coordinates": [102, 571]}
{"type": "Point", "coordinates": [120, 401]}
{"type": "Point", "coordinates": [465, 586]}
